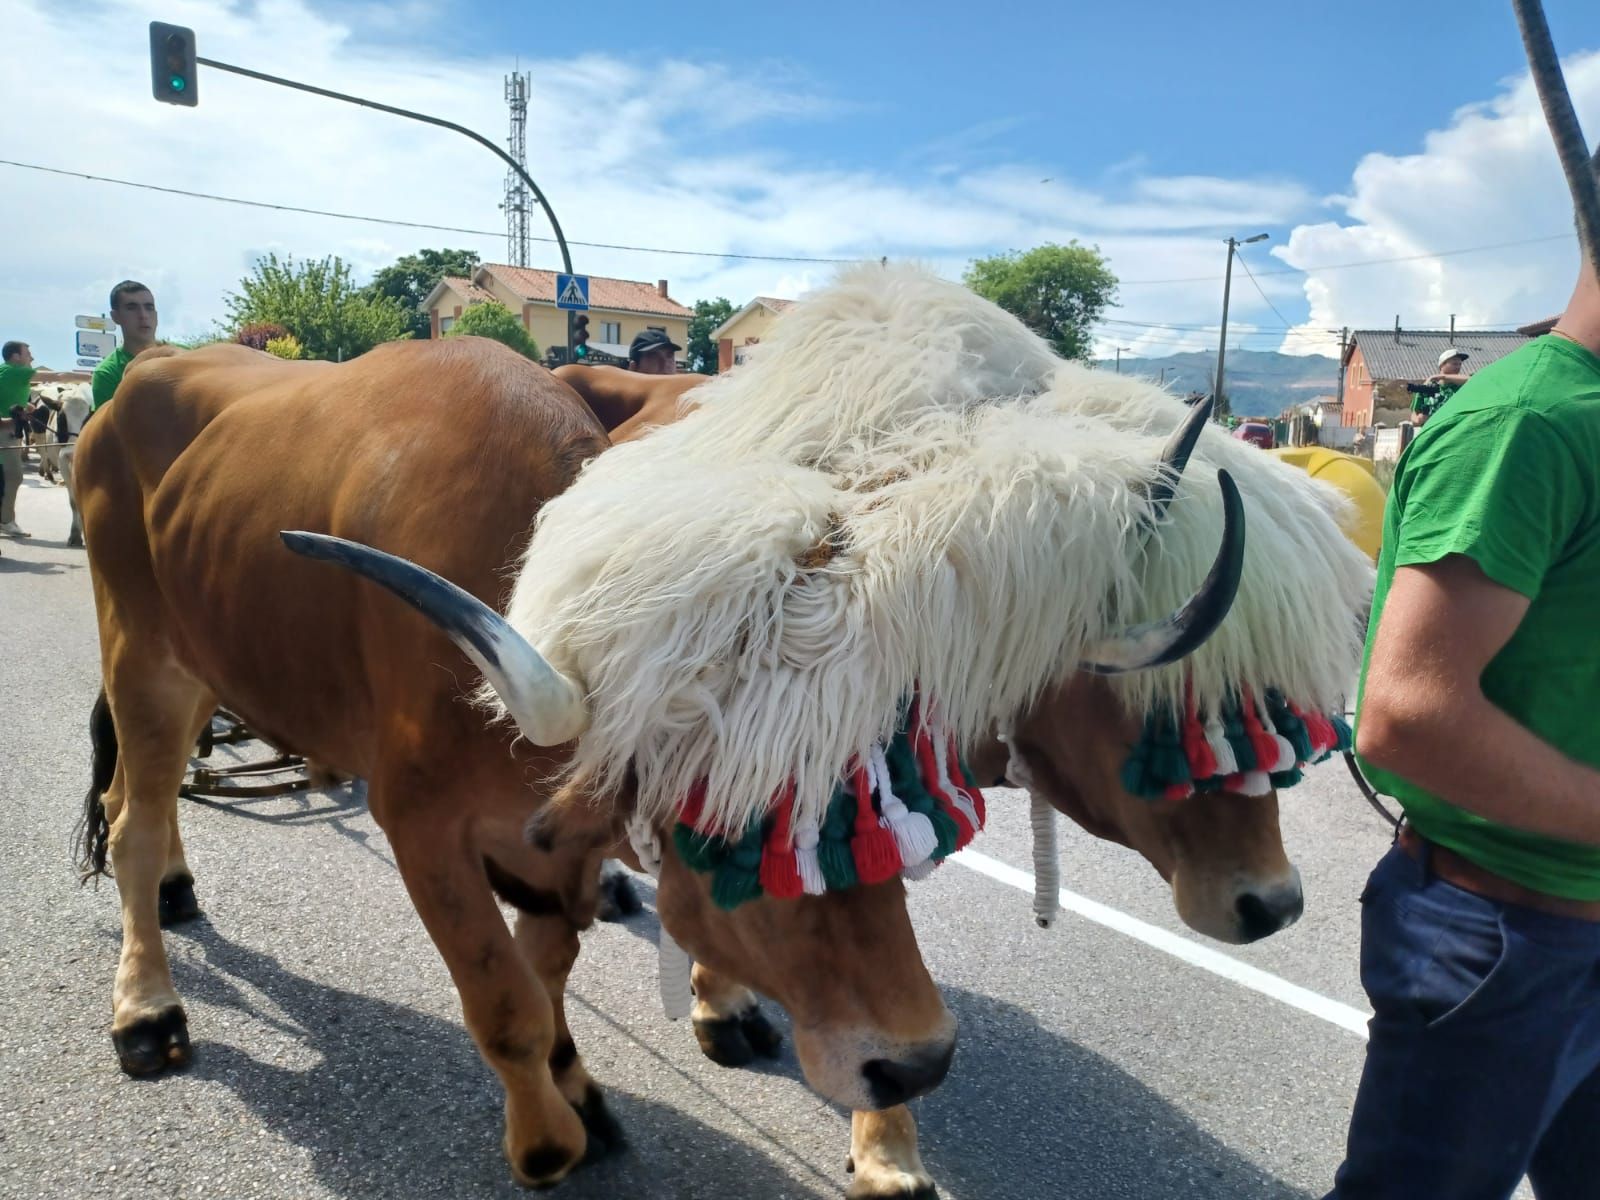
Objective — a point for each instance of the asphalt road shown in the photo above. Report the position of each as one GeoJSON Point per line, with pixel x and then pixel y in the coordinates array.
{"type": "Point", "coordinates": [331, 1062]}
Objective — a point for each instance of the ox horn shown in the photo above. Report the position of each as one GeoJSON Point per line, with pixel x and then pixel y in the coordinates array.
{"type": "Point", "coordinates": [547, 706]}
{"type": "Point", "coordinates": [1175, 457]}
{"type": "Point", "coordinates": [1181, 633]}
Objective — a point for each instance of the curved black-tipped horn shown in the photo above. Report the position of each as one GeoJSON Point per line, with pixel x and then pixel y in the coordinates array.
{"type": "Point", "coordinates": [1545, 67]}
{"type": "Point", "coordinates": [547, 706]}
{"type": "Point", "coordinates": [1175, 457]}
{"type": "Point", "coordinates": [1182, 633]}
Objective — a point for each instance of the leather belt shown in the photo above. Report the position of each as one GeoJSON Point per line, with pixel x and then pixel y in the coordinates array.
{"type": "Point", "coordinates": [1470, 877]}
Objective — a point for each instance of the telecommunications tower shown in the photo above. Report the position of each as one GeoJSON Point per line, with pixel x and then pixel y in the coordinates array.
{"type": "Point", "coordinates": [517, 200]}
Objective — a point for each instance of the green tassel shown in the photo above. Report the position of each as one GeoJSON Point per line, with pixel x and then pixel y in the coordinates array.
{"type": "Point", "coordinates": [833, 841]}
{"type": "Point", "coordinates": [905, 776]}
{"type": "Point", "coordinates": [1286, 779]}
{"type": "Point", "coordinates": [1238, 740]}
{"type": "Point", "coordinates": [1341, 729]}
{"type": "Point", "coordinates": [699, 851]}
{"type": "Point", "coordinates": [1289, 726]}
{"type": "Point", "coordinates": [738, 877]}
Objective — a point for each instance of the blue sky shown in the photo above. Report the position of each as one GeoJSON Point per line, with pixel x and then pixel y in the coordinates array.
{"type": "Point", "coordinates": [934, 131]}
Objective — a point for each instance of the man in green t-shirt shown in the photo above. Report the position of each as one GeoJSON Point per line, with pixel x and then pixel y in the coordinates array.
{"type": "Point", "coordinates": [1436, 392]}
{"type": "Point", "coordinates": [133, 308]}
{"type": "Point", "coordinates": [1480, 712]}
{"type": "Point", "coordinates": [16, 372]}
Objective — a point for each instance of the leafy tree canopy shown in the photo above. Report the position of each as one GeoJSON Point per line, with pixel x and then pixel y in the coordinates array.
{"type": "Point", "coordinates": [492, 319]}
{"type": "Point", "coordinates": [316, 302]}
{"type": "Point", "coordinates": [409, 280]}
{"type": "Point", "coordinates": [701, 351]}
{"type": "Point", "coordinates": [1058, 292]}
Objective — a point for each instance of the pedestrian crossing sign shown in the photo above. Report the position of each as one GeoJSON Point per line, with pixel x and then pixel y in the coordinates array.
{"type": "Point", "coordinates": [572, 292]}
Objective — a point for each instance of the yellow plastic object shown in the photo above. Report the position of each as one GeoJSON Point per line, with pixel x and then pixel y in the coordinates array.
{"type": "Point", "coordinates": [1352, 476]}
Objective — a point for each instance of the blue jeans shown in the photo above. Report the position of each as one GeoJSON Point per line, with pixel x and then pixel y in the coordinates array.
{"type": "Point", "coordinates": [1483, 1059]}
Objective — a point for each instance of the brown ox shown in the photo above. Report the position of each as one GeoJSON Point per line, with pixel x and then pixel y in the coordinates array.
{"type": "Point", "coordinates": [1222, 854]}
{"type": "Point", "coordinates": [184, 484]}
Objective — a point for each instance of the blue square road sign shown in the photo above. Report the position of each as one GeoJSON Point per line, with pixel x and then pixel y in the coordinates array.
{"type": "Point", "coordinates": [572, 292]}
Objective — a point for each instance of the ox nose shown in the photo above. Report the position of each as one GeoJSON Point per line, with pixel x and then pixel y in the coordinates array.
{"type": "Point", "coordinates": [1264, 913]}
{"type": "Point", "coordinates": [895, 1080]}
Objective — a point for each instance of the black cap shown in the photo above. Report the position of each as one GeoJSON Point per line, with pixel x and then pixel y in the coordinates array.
{"type": "Point", "coordinates": [650, 339]}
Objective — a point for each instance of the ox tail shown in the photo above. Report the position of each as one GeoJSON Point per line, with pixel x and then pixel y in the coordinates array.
{"type": "Point", "coordinates": [93, 835]}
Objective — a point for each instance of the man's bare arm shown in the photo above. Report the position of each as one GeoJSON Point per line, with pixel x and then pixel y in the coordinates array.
{"type": "Point", "coordinates": [1424, 714]}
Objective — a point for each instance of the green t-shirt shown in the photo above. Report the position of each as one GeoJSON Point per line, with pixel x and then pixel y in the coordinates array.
{"type": "Point", "coordinates": [14, 379]}
{"type": "Point", "coordinates": [108, 374]}
{"type": "Point", "coordinates": [1509, 475]}
{"type": "Point", "coordinates": [1428, 405]}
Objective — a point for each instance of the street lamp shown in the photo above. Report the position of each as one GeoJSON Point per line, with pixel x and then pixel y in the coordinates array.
{"type": "Point", "coordinates": [1227, 284]}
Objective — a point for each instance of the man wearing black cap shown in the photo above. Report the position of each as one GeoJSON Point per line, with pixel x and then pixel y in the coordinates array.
{"type": "Point", "coordinates": [651, 353]}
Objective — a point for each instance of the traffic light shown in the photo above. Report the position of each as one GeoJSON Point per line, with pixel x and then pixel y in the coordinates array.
{"type": "Point", "coordinates": [174, 78]}
{"type": "Point", "coordinates": [580, 336]}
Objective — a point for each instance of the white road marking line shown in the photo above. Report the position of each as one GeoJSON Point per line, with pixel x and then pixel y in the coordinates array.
{"type": "Point", "coordinates": [1353, 1020]}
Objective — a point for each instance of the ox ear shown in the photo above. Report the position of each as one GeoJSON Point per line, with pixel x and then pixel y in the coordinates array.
{"type": "Point", "coordinates": [575, 819]}
{"type": "Point", "coordinates": [547, 706]}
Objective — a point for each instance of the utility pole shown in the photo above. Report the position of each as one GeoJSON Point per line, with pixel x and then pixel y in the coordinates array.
{"type": "Point", "coordinates": [1227, 287]}
{"type": "Point", "coordinates": [1119, 350]}
{"type": "Point", "coordinates": [1344, 342]}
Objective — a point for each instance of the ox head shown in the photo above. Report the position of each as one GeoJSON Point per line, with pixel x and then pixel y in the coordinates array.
{"type": "Point", "coordinates": [871, 1030]}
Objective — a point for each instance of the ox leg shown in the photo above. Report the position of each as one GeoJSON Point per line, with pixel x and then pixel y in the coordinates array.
{"type": "Point", "coordinates": [550, 944]}
{"type": "Point", "coordinates": [504, 1005]}
{"type": "Point", "coordinates": [153, 710]}
{"type": "Point", "coordinates": [884, 1157]}
{"type": "Point", "coordinates": [728, 1023]}
{"type": "Point", "coordinates": [178, 903]}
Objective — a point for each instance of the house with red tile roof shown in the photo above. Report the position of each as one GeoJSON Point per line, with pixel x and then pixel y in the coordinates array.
{"type": "Point", "coordinates": [619, 309]}
{"type": "Point", "coordinates": [746, 328]}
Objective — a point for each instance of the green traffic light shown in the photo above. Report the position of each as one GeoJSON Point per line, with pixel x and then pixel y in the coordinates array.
{"type": "Point", "coordinates": [177, 83]}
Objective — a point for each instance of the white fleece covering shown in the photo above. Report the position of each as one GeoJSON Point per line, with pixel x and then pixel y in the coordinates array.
{"type": "Point", "coordinates": [903, 486]}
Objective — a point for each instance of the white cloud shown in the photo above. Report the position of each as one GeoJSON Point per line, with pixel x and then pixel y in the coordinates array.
{"type": "Point", "coordinates": [1490, 176]}
{"type": "Point", "coordinates": [627, 152]}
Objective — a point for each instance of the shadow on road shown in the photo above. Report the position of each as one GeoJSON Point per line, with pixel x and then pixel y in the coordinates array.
{"type": "Point", "coordinates": [401, 1104]}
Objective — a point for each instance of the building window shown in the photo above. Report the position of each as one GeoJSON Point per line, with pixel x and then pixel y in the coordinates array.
{"type": "Point", "coordinates": [445, 323]}
{"type": "Point", "coordinates": [611, 331]}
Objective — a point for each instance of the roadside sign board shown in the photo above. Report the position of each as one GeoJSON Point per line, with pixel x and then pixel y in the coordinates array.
{"type": "Point", "coordinates": [98, 324]}
{"type": "Point", "coordinates": [88, 362]}
{"type": "Point", "coordinates": [96, 345]}
{"type": "Point", "coordinates": [572, 292]}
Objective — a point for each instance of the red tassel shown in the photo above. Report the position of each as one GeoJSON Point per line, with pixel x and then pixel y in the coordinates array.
{"type": "Point", "coordinates": [928, 764]}
{"type": "Point", "coordinates": [1260, 740]}
{"type": "Point", "coordinates": [1202, 760]}
{"type": "Point", "coordinates": [694, 805]}
{"type": "Point", "coordinates": [1233, 783]}
{"type": "Point", "coordinates": [973, 795]}
{"type": "Point", "coordinates": [1178, 791]}
{"type": "Point", "coordinates": [1320, 728]}
{"type": "Point", "coordinates": [877, 857]}
{"type": "Point", "coordinates": [780, 874]}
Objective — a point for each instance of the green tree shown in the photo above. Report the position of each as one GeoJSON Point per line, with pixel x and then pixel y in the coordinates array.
{"type": "Point", "coordinates": [1058, 292]}
{"type": "Point", "coordinates": [409, 280]}
{"type": "Point", "coordinates": [316, 301]}
{"type": "Point", "coordinates": [701, 352]}
{"type": "Point", "coordinates": [491, 319]}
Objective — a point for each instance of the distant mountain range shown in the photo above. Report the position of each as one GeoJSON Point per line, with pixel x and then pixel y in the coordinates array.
{"type": "Point", "coordinates": [1258, 382]}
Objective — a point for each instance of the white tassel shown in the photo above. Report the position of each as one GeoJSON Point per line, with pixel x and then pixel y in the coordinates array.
{"type": "Point", "coordinates": [672, 963]}
{"type": "Point", "coordinates": [1286, 756]}
{"type": "Point", "coordinates": [1217, 739]}
{"type": "Point", "coordinates": [956, 795]}
{"type": "Point", "coordinates": [805, 859]}
{"type": "Point", "coordinates": [1046, 863]}
{"type": "Point", "coordinates": [921, 871]}
{"type": "Point", "coordinates": [1255, 783]}
{"type": "Point", "coordinates": [913, 832]}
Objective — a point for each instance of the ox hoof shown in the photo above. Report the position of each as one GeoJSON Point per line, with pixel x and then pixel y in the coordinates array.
{"type": "Point", "coordinates": [618, 897]}
{"type": "Point", "coordinates": [605, 1135]}
{"type": "Point", "coordinates": [154, 1044]}
{"type": "Point", "coordinates": [890, 1184]}
{"type": "Point", "coordinates": [738, 1041]}
{"type": "Point", "coordinates": [177, 903]}
{"type": "Point", "coordinates": [75, 539]}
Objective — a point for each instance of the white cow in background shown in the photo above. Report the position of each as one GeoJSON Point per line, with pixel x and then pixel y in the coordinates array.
{"type": "Point", "coordinates": [75, 409]}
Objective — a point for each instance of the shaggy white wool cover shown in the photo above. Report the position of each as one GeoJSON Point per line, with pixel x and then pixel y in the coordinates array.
{"type": "Point", "coordinates": [904, 486]}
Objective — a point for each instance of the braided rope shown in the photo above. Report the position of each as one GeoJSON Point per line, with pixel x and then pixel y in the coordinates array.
{"type": "Point", "coordinates": [672, 963]}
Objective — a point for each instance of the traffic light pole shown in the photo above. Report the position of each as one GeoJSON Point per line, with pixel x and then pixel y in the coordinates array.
{"type": "Point", "coordinates": [561, 241]}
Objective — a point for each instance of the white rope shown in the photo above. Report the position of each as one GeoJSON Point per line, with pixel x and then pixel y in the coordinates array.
{"type": "Point", "coordinates": [672, 964]}
{"type": "Point", "coordinates": [1046, 856]}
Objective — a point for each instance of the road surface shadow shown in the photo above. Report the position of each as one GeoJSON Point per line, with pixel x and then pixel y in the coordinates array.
{"type": "Point", "coordinates": [401, 1103]}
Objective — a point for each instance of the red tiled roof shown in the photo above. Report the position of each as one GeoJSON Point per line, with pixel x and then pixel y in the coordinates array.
{"type": "Point", "coordinates": [775, 303]}
{"type": "Point", "coordinates": [471, 291]}
{"type": "Point", "coordinates": [618, 295]}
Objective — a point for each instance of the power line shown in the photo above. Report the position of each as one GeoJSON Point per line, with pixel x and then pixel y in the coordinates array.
{"type": "Point", "coordinates": [1257, 286]}
{"type": "Point", "coordinates": [340, 216]}
{"type": "Point", "coordinates": [784, 258]}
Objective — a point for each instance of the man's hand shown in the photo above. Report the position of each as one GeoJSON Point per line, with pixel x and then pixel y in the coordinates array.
{"type": "Point", "coordinates": [1424, 715]}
